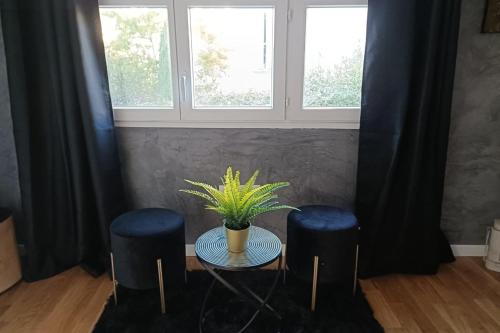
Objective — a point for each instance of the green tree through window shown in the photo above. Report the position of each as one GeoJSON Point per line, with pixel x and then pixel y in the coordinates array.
{"type": "Point", "coordinates": [140, 72]}
{"type": "Point", "coordinates": [339, 86]}
{"type": "Point", "coordinates": [138, 58]}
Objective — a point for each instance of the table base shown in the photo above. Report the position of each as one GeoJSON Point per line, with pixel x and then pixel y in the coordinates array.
{"type": "Point", "coordinates": [245, 293]}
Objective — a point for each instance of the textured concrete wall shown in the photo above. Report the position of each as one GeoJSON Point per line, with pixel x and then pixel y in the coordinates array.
{"type": "Point", "coordinates": [320, 164]}
{"type": "Point", "coordinates": [472, 190]}
{"type": "Point", "coordinates": [9, 186]}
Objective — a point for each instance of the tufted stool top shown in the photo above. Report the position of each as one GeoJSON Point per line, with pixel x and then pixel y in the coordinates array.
{"type": "Point", "coordinates": [149, 222]}
{"type": "Point", "coordinates": [323, 218]}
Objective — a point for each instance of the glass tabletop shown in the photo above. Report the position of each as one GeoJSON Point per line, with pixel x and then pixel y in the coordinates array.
{"type": "Point", "coordinates": [264, 247]}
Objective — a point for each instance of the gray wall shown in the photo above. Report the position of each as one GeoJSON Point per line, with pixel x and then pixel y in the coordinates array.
{"type": "Point", "coordinates": [9, 186]}
{"type": "Point", "coordinates": [320, 164]}
{"type": "Point", "coordinates": [472, 190]}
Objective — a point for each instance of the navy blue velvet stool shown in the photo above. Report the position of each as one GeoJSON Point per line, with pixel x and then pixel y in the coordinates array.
{"type": "Point", "coordinates": [322, 246]}
{"type": "Point", "coordinates": [148, 250]}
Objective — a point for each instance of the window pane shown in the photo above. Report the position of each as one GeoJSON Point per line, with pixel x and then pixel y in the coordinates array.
{"type": "Point", "coordinates": [138, 56]}
{"type": "Point", "coordinates": [335, 43]}
{"type": "Point", "coordinates": [232, 57]}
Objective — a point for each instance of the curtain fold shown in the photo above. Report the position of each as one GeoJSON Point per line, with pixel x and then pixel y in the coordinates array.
{"type": "Point", "coordinates": [69, 169]}
{"type": "Point", "coordinates": [405, 112]}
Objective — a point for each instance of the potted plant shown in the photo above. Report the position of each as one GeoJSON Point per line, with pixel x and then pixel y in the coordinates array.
{"type": "Point", "coordinates": [239, 204]}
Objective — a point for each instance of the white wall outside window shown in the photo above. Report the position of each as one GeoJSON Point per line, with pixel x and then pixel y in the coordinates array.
{"type": "Point", "coordinates": [270, 56]}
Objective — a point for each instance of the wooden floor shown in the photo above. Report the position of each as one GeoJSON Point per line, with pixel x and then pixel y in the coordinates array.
{"type": "Point", "coordinates": [463, 297]}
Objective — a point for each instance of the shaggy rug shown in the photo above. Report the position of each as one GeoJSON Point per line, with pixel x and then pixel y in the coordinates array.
{"type": "Point", "coordinates": [337, 310]}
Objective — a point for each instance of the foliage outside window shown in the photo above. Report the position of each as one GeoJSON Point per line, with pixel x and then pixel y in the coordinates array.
{"type": "Point", "coordinates": [231, 52]}
{"type": "Point", "coordinates": [138, 56]}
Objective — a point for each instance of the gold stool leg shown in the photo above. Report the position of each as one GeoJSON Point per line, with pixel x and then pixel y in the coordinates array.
{"type": "Point", "coordinates": [160, 281]}
{"type": "Point", "coordinates": [355, 271]}
{"type": "Point", "coordinates": [314, 283]}
{"type": "Point", "coordinates": [115, 296]}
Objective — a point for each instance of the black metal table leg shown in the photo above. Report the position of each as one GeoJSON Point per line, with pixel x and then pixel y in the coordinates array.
{"type": "Point", "coordinates": [204, 305]}
{"type": "Point", "coordinates": [259, 303]}
{"type": "Point", "coordinates": [263, 248]}
{"type": "Point", "coordinates": [263, 302]}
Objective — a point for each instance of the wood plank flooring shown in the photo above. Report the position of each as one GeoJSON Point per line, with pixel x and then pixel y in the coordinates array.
{"type": "Point", "coordinates": [462, 297]}
{"type": "Point", "coordinates": [68, 302]}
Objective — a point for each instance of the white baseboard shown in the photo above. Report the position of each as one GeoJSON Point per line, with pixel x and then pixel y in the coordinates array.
{"type": "Point", "coordinates": [468, 250]}
{"type": "Point", "coordinates": [190, 250]}
{"type": "Point", "coordinates": [458, 250]}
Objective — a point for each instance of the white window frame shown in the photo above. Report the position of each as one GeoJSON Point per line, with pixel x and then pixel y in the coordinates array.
{"type": "Point", "coordinates": [347, 116]}
{"type": "Point", "coordinates": [150, 115]}
{"type": "Point", "coordinates": [277, 111]}
{"type": "Point", "coordinates": [288, 73]}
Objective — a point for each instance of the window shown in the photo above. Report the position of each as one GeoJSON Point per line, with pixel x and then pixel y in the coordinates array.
{"type": "Point", "coordinates": [324, 80]}
{"type": "Point", "coordinates": [228, 44]}
{"type": "Point", "coordinates": [333, 70]}
{"type": "Point", "coordinates": [137, 55]}
{"type": "Point", "coordinates": [235, 63]}
{"type": "Point", "coordinates": [140, 49]}
{"type": "Point", "coordinates": [221, 45]}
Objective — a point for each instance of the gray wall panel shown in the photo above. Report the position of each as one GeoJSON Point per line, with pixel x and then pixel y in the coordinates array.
{"type": "Point", "coordinates": [472, 189]}
{"type": "Point", "coordinates": [320, 164]}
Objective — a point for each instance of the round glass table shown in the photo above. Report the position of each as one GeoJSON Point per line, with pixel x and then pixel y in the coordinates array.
{"type": "Point", "coordinates": [263, 249]}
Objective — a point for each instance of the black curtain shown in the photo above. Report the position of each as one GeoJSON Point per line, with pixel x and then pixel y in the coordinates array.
{"type": "Point", "coordinates": [405, 113]}
{"type": "Point", "coordinates": [69, 170]}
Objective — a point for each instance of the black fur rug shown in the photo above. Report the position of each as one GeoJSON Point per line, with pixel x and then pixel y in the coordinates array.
{"type": "Point", "coordinates": [337, 310]}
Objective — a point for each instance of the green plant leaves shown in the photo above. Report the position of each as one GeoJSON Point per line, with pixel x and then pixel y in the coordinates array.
{"type": "Point", "coordinates": [201, 195]}
{"type": "Point", "coordinates": [240, 204]}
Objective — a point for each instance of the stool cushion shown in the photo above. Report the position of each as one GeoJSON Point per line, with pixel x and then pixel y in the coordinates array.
{"type": "Point", "coordinates": [150, 222]}
{"type": "Point", "coordinates": [325, 218]}
{"type": "Point", "coordinates": [141, 237]}
{"type": "Point", "coordinates": [327, 232]}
